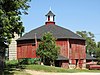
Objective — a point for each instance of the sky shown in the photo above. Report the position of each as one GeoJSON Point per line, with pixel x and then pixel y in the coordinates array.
{"type": "Point", "coordinates": [75, 15]}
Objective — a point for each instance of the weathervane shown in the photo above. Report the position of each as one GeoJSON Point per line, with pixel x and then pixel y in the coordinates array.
{"type": "Point", "coordinates": [50, 8]}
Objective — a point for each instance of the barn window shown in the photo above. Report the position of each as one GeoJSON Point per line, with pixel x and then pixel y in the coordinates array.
{"type": "Point", "coordinates": [48, 18]}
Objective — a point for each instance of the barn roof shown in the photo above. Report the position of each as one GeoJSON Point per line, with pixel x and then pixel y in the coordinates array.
{"type": "Point", "coordinates": [57, 31]}
{"type": "Point", "coordinates": [88, 57]}
{"type": "Point", "coordinates": [61, 58]}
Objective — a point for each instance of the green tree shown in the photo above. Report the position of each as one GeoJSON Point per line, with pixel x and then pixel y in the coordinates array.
{"type": "Point", "coordinates": [98, 44]}
{"type": "Point", "coordinates": [10, 22]}
{"type": "Point", "coordinates": [47, 50]}
{"type": "Point", "coordinates": [10, 18]}
{"type": "Point", "coordinates": [90, 42]}
{"type": "Point", "coordinates": [97, 50]}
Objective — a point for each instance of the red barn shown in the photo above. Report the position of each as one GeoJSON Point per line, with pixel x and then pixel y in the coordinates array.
{"type": "Point", "coordinates": [72, 46]}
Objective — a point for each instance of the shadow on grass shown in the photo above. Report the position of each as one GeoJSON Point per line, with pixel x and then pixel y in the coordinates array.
{"type": "Point", "coordinates": [11, 69]}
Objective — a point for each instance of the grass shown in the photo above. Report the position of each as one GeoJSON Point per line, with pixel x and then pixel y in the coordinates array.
{"type": "Point", "coordinates": [15, 72]}
{"type": "Point", "coordinates": [56, 69]}
{"type": "Point", "coordinates": [44, 68]}
{"type": "Point", "coordinates": [12, 68]}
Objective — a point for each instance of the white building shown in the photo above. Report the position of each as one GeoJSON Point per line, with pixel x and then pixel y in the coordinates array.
{"type": "Point", "coordinates": [12, 54]}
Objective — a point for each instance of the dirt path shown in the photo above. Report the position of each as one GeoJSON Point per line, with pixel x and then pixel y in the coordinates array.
{"type": "Point", "coordinates": [47, 73]}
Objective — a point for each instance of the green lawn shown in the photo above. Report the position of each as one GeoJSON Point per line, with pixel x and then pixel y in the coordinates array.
{"type": "Point", "coordinates": [12, 68]}
{"type": "Point", "coordinates": [56, 69]}
{"type": "Point", "coordinates": [15, 72]}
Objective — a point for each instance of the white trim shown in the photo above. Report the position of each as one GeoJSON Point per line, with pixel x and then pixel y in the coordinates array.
{"type": "Point", "coordinates": [51, 18]}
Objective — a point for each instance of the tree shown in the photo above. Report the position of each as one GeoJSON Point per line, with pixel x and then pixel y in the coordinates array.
{"type": "Point", "coordinates": [90, 42]}
{"type": "Point", "coordinates": [10, 22]}
{"type": "Point", "coordinates": [97, 50]}
{"type": "Point", "coordinates": [98, 44]}
{"type": "Point", "coordinates": [47, 50]}
{"type": "Point", "coordinates": [10, 18]}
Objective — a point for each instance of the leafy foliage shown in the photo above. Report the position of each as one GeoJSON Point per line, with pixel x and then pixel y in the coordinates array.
{"type": "Point", "coordinates": [28, 61]}
{"type": "Point", "coordinates": [98, 45]}
{"type": "Point", "coordinates": [10, 18]}
{"type": "Point", "coordinates": [97, 51]}
{"type": "Point", "coordinates": [13, 68]}
{"type": "Point", "coordinates": [47, 49]}
{"type": "Point", "coordinates": [90, 42]}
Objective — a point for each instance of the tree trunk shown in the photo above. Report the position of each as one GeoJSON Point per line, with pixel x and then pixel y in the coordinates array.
{"type": "Point", "coordinates": [2, 61]}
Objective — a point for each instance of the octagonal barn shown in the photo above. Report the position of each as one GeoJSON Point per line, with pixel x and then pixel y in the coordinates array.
{"type": "Point", "coordinates": [72, 46]}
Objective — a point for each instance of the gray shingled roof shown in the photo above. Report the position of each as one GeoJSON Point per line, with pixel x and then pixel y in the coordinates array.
{"type": "Point", "coordinates": [88, 57]}
{"type": "Point", "coordinates": [57, 31]}
{"type": "Point", "coordinates": [50, 14]}
{"type": "Point", "coordinates": [61, 58]}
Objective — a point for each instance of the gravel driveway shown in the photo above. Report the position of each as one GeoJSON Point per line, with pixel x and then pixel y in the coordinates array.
{"type": "Point", "coordinates": [47, 73]}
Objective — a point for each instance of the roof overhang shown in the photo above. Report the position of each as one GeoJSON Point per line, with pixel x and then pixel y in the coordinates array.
{"type": "Point", "coordinates": [88, 57]}
{"type": "Point", "coordinates": [62, 58]}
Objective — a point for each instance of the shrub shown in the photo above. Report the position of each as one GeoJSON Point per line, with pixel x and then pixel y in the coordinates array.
{"type": "Point", "coordinates": [98, 63]}
{"type": "Point", "coordinates": [11, 63]}
{"type": "Point", "coordinates": [28, 61]}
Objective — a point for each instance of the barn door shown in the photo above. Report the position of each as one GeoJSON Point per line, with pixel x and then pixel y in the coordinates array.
{"type": "Point", "coordinates": [78, 63]}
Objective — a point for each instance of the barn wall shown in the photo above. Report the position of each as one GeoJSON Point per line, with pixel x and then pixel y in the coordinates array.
{"type": "Point", "coordinates": [74, 49]}
{"type": "Point", "coordinates": [26, 50]}
{"type": "Point", "coordinates": [63, 44]}
{"type": "Point", "coordinates": [77, 53]}
{"type": "Point", "coordinates": [77, 49]}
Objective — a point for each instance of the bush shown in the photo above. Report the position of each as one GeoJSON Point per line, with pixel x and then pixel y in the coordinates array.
{"type": "Point", "coordinates": [28, 61]}
{"type": "Point", "coordinates": [12, 63]}
{"type": "Point", "coordinates": [98, 63]}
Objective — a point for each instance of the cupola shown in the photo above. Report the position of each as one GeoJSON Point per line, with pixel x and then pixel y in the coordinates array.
{"type": "Point", "coordinates": [50, 18]}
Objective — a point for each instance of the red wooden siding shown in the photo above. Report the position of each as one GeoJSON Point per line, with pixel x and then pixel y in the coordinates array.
{"type": "Point", "coordinates": [26, 50]}
{"type": "Point", "coordinates": [73, 61]}
{"type": "Point", "coordinates": [77, 50]}
{"type": "Point", "coordinates": [63, 47]}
